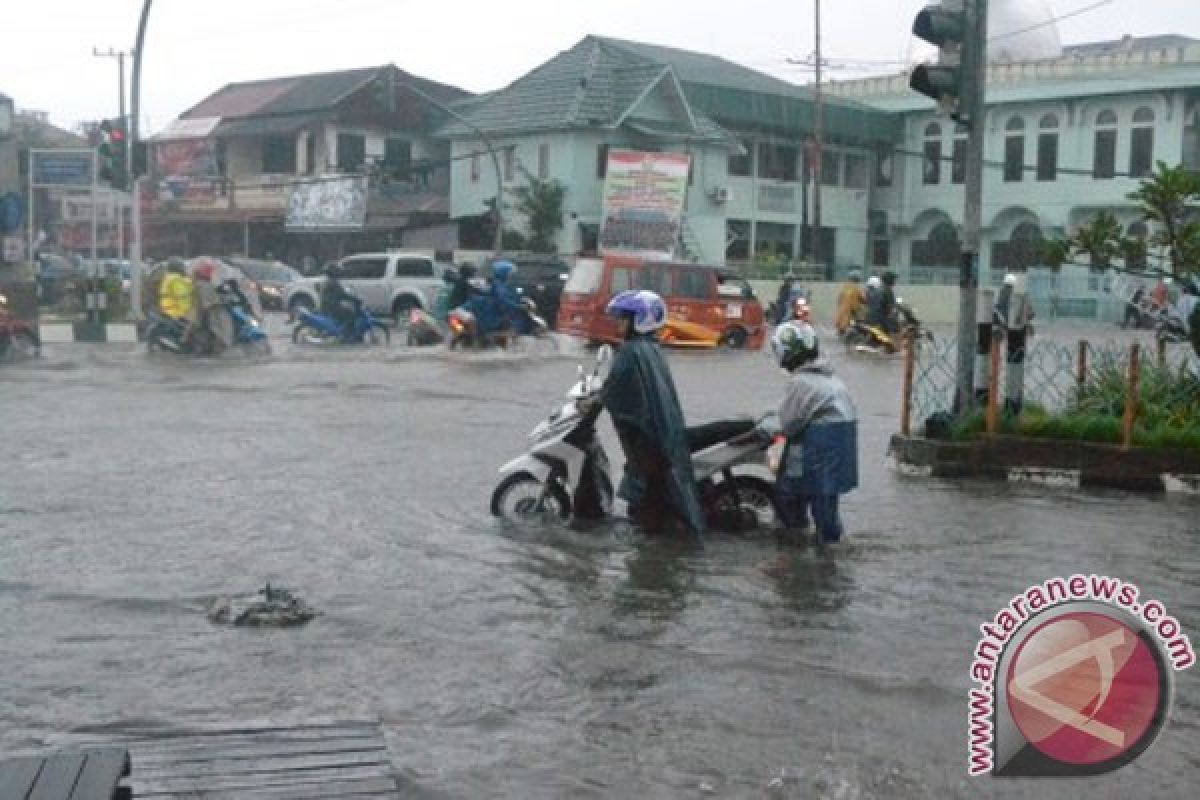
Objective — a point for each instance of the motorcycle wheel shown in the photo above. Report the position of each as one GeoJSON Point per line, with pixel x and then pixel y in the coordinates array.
{"type": "Point", "coordinates": [521, 496]}
{"type": "Point", "coordinates": [753, 509]}
{"type": "Point", "coordinates": [307, 334]}
{"type": "Point", "coordinates": [18, 346]}
{"type": "Point", "coordinates": [377, 335]}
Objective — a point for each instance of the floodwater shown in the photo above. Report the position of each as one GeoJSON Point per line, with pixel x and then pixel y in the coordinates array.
{"type": "Point", "coordinates": [519, 663]}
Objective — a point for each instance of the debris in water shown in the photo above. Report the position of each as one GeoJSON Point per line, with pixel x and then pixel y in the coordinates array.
{"type": "Point", "coordinates": [268, 607]}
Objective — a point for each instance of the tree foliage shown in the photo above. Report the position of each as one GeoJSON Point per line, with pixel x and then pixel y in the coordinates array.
{"type": "Point", "coordinates": [1164, 199]}
{"type": "Point", "coordinates": [541, 201]}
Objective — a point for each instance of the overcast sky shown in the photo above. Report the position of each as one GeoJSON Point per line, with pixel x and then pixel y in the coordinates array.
{"type": "Point", "coordinates": [194, 47]}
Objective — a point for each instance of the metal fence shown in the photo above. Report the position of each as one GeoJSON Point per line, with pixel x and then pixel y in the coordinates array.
{"type": "Point", "coordinates": [1086, 379]}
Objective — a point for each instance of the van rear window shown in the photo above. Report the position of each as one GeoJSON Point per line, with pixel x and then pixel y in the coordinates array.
{"type": "Point", "coordinates": [585, 277]}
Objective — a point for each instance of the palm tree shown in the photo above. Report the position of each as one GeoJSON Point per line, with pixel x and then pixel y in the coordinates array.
{"type": "Point", "coordinates": [1164, 198]}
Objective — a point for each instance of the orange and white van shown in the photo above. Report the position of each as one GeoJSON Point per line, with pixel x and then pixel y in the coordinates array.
{"type": "Point", "coordinates": [706, 306]}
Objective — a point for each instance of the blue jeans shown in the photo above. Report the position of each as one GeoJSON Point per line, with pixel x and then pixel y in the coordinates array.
{"type": "Point", "coordinates": [794, 508]}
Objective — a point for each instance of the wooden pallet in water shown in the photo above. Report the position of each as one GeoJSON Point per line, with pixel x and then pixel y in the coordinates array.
{"type": "Point", "coordinates": [301, 762]}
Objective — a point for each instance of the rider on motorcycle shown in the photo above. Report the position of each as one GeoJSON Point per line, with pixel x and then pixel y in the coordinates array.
{"type": "Point", "coordinates": [508, 300]}
{"type": "Point", "coordinates": [820, 461]}
{"type": "Point", "coordinates": [639, 393]}
{"type": "Point", "coordinates": [176, 297]}
{"type": "Point", "coordinates": [337, 303]}
{"type": "Point", "coordinates": [212, 313]}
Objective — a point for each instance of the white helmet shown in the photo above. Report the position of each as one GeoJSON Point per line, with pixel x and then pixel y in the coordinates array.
{"type": "Point", "coordinates": [874, 282]}
{"type": "Point", "coordinates": [794, 344]}
{"type": "Point", "coordinates": [1010, 279]}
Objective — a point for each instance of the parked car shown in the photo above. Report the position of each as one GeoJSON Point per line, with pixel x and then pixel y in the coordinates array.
{"type": "Point", "coordinates": [270, 277]}
{"type": "Point", "coordinates": [540, 278]}
{"type": "Point", "coordinates": [389, 284]}
{"type": "Point", "coordinates": [700, 297]}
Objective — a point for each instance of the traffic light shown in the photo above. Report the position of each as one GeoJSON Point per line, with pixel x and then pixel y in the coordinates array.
{"type": "Point", "coordinates": [944, 26]}
{"type": "Point", "coordinates": [111, 152]}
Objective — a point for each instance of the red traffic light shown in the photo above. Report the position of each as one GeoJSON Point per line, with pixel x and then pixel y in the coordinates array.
{"type": "Point", "coordinates": [116, 134]}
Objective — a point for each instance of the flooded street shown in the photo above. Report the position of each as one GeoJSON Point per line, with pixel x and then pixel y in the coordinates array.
{"type": "Point", "coordinates": [519, 662]}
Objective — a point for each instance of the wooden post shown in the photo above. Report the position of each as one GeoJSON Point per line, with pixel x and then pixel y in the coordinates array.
{"type": "Point", "coordinates": [1082, 368]}
{"type": "Point", "coordinates": [906, 400]}
{"type": "Point", "coordinates": [993, 400]}
{"type": "Point", "coordinates": [1162, 351]}
{"type": "Point", "coordinates": [1131, 397]}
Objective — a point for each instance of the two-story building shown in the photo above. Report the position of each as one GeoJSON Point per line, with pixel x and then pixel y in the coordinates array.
{"type": "Point", "coordinates": [747, 134]}
{"type": "Point", "coordinates": [305, 167]}
{"type": "Point", "coordinates": [1065, 138]}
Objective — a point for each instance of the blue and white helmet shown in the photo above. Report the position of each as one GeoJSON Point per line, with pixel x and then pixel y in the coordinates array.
{"type": "Point", "coordinates": [648, 310]}
{"type": "Point", "coordinates": [795, 344]}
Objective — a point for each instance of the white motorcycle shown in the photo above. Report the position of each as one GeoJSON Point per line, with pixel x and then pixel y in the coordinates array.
{"type": "Point", "coordinates": [565, 474]}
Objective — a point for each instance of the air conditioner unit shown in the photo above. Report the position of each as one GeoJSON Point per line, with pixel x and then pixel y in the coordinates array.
{"type": "Point", "coordinates": [719, 194]}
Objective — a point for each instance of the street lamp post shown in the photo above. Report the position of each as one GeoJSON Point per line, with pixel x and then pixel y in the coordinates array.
{"type": "Point", "coordinates": [498, 243]}
{"type": "Point", "coordinates": [135, 94]}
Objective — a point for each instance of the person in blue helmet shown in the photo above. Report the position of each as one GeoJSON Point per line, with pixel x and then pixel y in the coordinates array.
{"type": "Point", "coordinates": [818, 417]}
{"type": "Point", "coordinates": [508, 299]}
{"type": "Point", "coordinates": [659, 483]}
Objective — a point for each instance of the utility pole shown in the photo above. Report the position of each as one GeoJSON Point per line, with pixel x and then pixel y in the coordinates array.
{"type": "Point", "coordinates": [498, 244]}
{"type": "Point", "coordinates": [818, 141]}
{"type": "Point", "coordinates": [135, 246]}
{"type": "Point", "coordinates": [974, 73]}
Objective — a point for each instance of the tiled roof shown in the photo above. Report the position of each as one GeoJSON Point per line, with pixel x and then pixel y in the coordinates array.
{"type": "Point", "coordinates": [595, 82]}
{"type": "Point", "coordinates": [306, 93]}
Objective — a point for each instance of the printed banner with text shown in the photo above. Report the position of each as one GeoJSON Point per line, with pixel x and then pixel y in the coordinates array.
{"type": "Point", "coordinates": [643, 203]}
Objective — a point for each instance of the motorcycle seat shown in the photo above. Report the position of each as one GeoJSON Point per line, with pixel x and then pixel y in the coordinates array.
{"type": "Point", "coordinates": [701, 437]}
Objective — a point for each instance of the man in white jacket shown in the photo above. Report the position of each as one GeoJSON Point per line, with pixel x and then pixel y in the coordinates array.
{"type": "Point", "coordinates": [820, 461]}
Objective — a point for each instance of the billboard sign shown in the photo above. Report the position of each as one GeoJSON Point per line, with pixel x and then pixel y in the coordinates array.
{"type": "Point", "coordinates": [643, 203]}
{"type": "Point", "coordinates": [334, 204]}
{"type": "Point", "coordinates": [62, 167]}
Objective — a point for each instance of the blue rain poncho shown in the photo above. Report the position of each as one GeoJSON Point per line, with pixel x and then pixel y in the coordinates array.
{"type": "Point", "coordinates": [640, 395]}
{"type": "Point", "coordinates": [821, 426]}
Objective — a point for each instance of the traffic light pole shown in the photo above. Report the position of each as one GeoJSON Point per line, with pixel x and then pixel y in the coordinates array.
{"type": "Point", "coordinates": [135, 245]}
{"type": "Point", "coordinates": [972, 109]}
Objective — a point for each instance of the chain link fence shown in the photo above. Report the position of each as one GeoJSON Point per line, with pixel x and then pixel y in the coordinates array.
{"type": "Point", "coordinates": [1080, 390]}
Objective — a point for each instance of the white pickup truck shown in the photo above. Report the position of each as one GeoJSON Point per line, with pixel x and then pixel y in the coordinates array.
{"type": "Point", "coordinates": [389, 284]}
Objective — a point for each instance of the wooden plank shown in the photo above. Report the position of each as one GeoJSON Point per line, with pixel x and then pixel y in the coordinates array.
{"type": "Point", "coordinates": [101, 772]}
{"type": "Point", "coordinates": [17, 776]}
{"type": "Point", "coordinates": [167, 743]}
{"type": "Point", "coordinates": [256, 766]}
{"type": "Point", "coordinates": [362, 787]}
{"type": "Point", "coordinates": [58, 776]}
{"type": "Point", "coordinates": [166, 747]}
{"type": "Point", "coordinates": [151, 758]}
{"type": "Point", "coordinates": [313, 777]}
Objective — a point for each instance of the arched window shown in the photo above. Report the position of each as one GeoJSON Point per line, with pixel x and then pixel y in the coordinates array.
{"type": "Point", "coordinates": [1104, 156]}
{"type": "Point", "coordinates": [1014, 150]}
{"type": "Point", "coordinates": [1047, 148]}
{"type": "Point", "coordinates": [932, 163]}
{"type": "Point", "coordinates": [1141, 144]}
{"type": "Point", "coordinates": [1022, 250]}
{"type": "Point", "coordinates": [958, 155]}
{"type": "Point", "coordinates": [1135, 253]}
{"type": "Point", "coordinates": [941, 249]}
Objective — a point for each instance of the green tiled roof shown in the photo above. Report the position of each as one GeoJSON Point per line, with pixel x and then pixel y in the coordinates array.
{"type": "Point", "coordinates": [594, 82]}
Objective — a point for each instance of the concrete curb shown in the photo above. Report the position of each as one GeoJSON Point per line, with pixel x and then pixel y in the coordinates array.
{"type": "Point", "coordinates": [65, 332]}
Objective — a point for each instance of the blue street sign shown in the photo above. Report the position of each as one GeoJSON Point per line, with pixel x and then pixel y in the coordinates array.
{"type": "Point", "coordinates": [62, 169]}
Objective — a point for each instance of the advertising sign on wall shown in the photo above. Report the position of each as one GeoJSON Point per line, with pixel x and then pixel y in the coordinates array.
{"type": "Point", "coordinates": [643, 203]}
{"type": "Point", "coordinates": [336, 204]}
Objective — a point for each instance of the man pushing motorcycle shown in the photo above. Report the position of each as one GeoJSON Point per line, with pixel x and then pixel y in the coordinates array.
{"type": "Point", "coordinates": [639, 394]}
